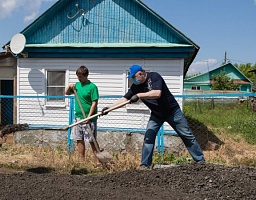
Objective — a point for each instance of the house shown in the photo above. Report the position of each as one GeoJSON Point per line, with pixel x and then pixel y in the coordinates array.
{"type": "Point", "coordinates": [107, 36]}
{"type": "Point", "coordinates": [205, 81]}
{"type": "Point", "coordinates": [254, 84]}
{"type": "Point", "coordinates": [254, 90]}
{"type": "Point", "coordinates": [7, 80]}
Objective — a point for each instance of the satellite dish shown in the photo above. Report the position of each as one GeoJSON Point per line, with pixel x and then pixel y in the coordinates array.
{"type": "Point", "coordinates": [17, 43]}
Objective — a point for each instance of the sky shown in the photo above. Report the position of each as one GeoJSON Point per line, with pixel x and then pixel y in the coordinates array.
{"type": "Point", "coordinates": [216, 26]}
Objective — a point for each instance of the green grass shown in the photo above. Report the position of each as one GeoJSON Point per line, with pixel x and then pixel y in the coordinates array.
{"type": "Point", "coordinates": [169, 158]}
{"type": "Point", "coordinates": [233, 118]}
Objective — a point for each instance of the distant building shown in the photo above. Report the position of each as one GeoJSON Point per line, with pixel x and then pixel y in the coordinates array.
{"type": "Point", "coordinates": [254, 86]}
{"type": "Point", "coordinates": [205, 81]}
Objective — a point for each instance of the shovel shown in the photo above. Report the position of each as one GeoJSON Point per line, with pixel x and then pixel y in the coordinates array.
{"type": "Point", "coordinates": [103, 156]}
{"type": "Point", "coordinates": [96, 115]}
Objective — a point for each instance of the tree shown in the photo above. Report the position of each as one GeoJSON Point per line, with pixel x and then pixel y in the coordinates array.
{"type": "Point", "coordinates": [245, 68]}
{"type": "Point", "coordinates": [223, 82]}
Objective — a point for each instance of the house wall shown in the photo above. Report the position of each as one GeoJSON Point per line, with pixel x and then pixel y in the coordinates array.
{"type": "Point", "coordinates": [230, 71]}
{"type": "Point", "coordinates": [7, 73]}
{"type": "Point", "coordinates": [7, 68]}
{"type": "Point", "coordinates": [108, 75]}
{"type": "Point", "coordinates": [187, 86]}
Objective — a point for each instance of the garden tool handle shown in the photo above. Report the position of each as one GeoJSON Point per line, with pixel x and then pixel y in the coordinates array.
{"type": "Point", "coordinates": [79, 103]}
{"type": "Point", "coordinates": [88, 126]}
{"type": "Point", "coordinates": [98, 114]}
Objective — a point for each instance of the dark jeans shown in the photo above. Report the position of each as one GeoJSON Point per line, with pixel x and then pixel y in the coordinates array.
{"type": "Point", "coordinates": [179, 123]}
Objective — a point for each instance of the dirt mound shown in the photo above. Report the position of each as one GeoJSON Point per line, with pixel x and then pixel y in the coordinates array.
{"type": "Point", "coordinates": [10, 128]}
{"type": "Point", "coordinates": [192, 181]}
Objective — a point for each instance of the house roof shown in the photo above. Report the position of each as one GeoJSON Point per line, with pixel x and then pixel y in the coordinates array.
{"type": "Point", "coordinates": [209, 74]}
{"type": "Point", "coordinates": [107, 24]}
{"type": "Point", "coordinates": [4, 55]}
{"type": "Point", "coordinates": [100, 45]}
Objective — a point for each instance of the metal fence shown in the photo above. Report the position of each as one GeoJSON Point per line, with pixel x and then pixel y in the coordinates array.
{"type": "Point", "coordinates": [51, 112]}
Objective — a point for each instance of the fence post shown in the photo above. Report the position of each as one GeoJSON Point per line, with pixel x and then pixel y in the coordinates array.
{"type": "Point", "coordinates": [70, 121]}
{"type": "Point", "coordinates": [160, 140]}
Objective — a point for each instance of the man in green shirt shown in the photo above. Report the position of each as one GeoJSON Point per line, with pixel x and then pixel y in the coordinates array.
{"type": "Point", "coordinates": [88, 95]}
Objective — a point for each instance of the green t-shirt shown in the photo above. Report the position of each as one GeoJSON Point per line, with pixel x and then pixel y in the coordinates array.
{"type": "Point", "coordinates": [87, 93]}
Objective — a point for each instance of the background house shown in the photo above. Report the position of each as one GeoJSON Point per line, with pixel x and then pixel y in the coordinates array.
{"type": "Point", "coordinates": [254, 84]}
{"type": "Point", "coordinates": [8, 73]}
{"type": "Point", "coordinates": [107, 36]}
{"type": "Point", "coordinates": [205, 81]}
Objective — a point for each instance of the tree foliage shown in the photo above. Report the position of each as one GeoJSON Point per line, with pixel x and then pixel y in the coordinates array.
{"type": "Point", "coordinates": [223, 82]}
{"type": "Point", "coordinates": [245, 68]}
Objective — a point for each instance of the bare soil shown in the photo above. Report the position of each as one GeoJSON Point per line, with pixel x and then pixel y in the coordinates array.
{"type": "Point", "coordinates": [191, 181]}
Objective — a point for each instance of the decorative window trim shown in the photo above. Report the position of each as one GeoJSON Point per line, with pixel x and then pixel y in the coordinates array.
{"type": "Point", "coordinates": [47, 106]}
{"type": "Point", "coordinates": [56, 104]}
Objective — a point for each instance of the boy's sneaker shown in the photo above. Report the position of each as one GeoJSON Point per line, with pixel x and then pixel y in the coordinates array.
{"type": "Point", "coordinates": [143, 167]}
{"type": "Point", "coordinates": [201, 162]}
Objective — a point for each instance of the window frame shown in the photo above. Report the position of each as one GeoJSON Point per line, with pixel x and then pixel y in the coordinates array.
{"type": "Point", "coordinates": [56, 103]}
{"type": "Point", "coordinates": [197, 87]}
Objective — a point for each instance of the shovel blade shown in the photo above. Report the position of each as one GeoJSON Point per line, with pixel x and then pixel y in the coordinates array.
{"type": "Point", "coordinates": [104, 156]}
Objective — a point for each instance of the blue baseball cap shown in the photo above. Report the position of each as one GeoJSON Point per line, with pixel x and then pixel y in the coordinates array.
{"type": "Point", "coordinates": [133, 70]}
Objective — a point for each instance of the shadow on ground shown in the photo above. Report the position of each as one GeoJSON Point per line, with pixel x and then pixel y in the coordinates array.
{"type": "Point", "coordinates": [41, 170]}
{"type": "Point", "coordinates": [82, 171]}
{"type": "Point", "coordinates": [206, 138]}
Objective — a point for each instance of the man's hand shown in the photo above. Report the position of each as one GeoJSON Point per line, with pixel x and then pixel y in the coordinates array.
{"type": "Point", "coordinates": [103, 111]}
{"type": "Point", "coordinates": [72, 87]}
{"type": "Point", "coordinates": [134, 98]}
{"type": "Point", "coordinates": [87, 122]}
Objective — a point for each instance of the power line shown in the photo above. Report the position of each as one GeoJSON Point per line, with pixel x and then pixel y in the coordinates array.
{"type": "Point", "coordinates": [243, 62]}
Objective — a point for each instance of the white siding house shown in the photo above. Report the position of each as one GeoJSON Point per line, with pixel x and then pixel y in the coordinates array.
{"type": "Point", "coordinates": [57, 45]}
{"type": "Point", "coordinates": [109, 75]}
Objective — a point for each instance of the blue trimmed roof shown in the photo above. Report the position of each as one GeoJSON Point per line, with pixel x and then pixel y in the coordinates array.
{"type": "Point", "coordinates": [106, 23]}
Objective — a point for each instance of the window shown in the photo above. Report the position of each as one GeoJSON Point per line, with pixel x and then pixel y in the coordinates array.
{"type": "Point", "coordinates": [55, 85]}
{"type": "Point", "coordinates": [195, 88]}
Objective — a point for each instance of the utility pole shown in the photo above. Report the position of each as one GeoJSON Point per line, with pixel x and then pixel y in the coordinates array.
{"type": "Point", "coordinates": [207, 68]}
{"type": "Point", "coordinates": [225, 58]}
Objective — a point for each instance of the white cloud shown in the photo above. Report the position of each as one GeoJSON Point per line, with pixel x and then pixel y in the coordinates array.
{"type": "Point", "coordinates": [30, 8]}
{"type": "Point", "coordinates": [201, 66]}
{"type": "Point", "coordinates": [255, 2]}
{"type": "Point", "coordinates": [7, 7]}
{"type": "Point", "coordinates": [31, 16]}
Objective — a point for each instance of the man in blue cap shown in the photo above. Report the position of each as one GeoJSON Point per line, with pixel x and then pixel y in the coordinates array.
{"type": "Point", "coordinates": [151, 88]}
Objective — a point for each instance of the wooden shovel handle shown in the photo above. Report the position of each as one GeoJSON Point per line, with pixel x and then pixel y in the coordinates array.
{"type": "Point", "coordinates": [88, 126]}
{"type": "Point", "coordinates": [98, 114]}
